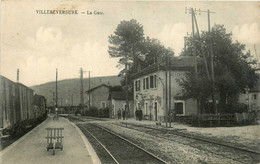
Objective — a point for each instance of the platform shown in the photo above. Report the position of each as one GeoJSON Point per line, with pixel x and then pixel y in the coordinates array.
{"type": "Point", "coordinates": [31, 148]}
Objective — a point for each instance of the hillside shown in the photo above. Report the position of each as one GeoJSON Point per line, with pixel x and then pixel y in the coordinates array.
{"type": "Point", "coordinates": [69, 87]}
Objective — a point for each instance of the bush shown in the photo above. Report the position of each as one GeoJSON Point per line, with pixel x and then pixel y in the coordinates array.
{"type": "Point", "coordinates": [77, 111]}
{"type": "Point", "coordinates": [95, 112]}
{"type": "Point", "coordinates": [104, 113]}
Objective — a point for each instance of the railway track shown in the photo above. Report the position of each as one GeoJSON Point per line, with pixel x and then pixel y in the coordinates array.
{"type": "Point", "coordinates": [112, 148]}
{"type": "Point", "coordinates": [200, 138]}
{"type": "Point", "coordinates": [228, 147]}
{"type": "Point", "coordinates": [84, 119]}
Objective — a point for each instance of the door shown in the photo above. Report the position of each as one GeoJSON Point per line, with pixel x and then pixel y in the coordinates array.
{"type": "Point", "coordinates": [155, 110]}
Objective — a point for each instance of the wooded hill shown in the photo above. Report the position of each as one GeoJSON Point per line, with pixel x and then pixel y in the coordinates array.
{"type": "Point", "coordinates": [69, 87]}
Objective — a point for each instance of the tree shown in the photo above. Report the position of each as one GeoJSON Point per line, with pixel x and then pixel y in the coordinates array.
{"type": "Point", "coordinates": [134, 50]}
{"type": "Point", "coordinates": [126, 42]}
{"type": "Point", "coordinates": [154, 52]}
{"type": "Point", "coordinates": [232, 65]}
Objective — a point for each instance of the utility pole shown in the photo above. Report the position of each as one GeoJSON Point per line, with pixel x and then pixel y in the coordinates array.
{"type": "Point", "coordinates": [191, 11]}
{"type": "Point", "coordinates": [81, 90]}
{"type": "Point", "coordinates": [126, 92]}
{"type": "Point", "coordinates": [212, 66]}
{"type": "Point", "coordinates": [202, 49]}
{"type": "Point", "coordinates": [194, 50]}
{"type": "Point", "coordinates": [170, 93]}
{"type": "Point", "coordinates": [166, 90]}
{"type": "Point", "coordinates": [72, 100]}
{"type": "Point", "coordinates": [72, 103]}
{"type": "Point", "coordinates": [53, 100]}
{"type": "Point", "coordinates": [89, 90]}
{"type": "Point", "coordinates": [211, 62]}
{"type": "Point", "coordinates": [17, 75]}
{"type": "Point", "coordinates": [56, 88]}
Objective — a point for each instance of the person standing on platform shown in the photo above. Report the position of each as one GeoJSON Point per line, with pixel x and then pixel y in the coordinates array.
{"type": "Point", "coordinates": [140, 115]}
{"type": "Point", "coordinates": [123, 113]}
{"type": "Point", "coordinates": [119, 113]}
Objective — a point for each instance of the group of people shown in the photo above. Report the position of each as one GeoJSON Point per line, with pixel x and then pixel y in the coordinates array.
{"type": "Point", "coordinates": [123, 112]}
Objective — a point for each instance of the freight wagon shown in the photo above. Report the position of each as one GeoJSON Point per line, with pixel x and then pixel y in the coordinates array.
{"type": "Point", "coordinates": [19, 105]}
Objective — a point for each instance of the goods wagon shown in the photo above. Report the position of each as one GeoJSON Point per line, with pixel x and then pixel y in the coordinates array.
{"type": "Point", "coordinates": [18, 104]}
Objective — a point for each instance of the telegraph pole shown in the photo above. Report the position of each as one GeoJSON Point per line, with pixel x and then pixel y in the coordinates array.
{"type": "Point", "coordinates": [202, 49]}
{"type": "Point", "coordinates": [72, 104]}
{"type": "Point", "coordinates": [56, 88]}
{"type": "Point", "coordinates": [211, 62]}
{"type": "Point", "coordinates": [191, 11]}
{"type": "Point", "coordinates": [194, 47]}
{"type": "Point", "coordinates": [72, 100]}
{"type": "Point", "coordinates": [81, 90]}
{"type": "Point", "coordinates": [126, 92]}
{"type": "Point", "coordinates": [170, 93]}
{"type": "Point", "coordinates": [89, 90]}
{"type": "Point", "coordinates": [17, 75]}
{"type": "Point", "coordinates": [212, 67]}
{"type": "Point", "coordinates": [166, 90]}
{"type": "Point", "coordinates": [53, 100]}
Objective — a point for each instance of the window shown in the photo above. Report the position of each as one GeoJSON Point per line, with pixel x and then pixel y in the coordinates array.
{"type": "Point", "coordinates": [103, 104]}
{"type": "Point", "coordinates": [151, 82]}
{"type": "Point", "coordinates": [137, 85]}
{"type": "Point", "coordinates": [179, 108]}
{"type": "Point", "coordinates": [143, 84]}
{"type": "Point", "coordinates": [255, 96]}
{"type": "Point", "coordinates": [147, 83]}
{"type": "Point", "coordinates": [155, 81]}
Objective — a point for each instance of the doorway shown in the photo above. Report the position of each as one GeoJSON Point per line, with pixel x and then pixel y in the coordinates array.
{"type": "Point", "coordinates": [155, 111]}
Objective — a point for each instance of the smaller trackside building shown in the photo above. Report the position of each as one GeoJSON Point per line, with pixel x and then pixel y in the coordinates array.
{"type": "Point", "coordinates": [117, 102]}
{"type": "Point", "coordinates": [156, 89]}
{"type": "Point", "coordinates": [99, 96]}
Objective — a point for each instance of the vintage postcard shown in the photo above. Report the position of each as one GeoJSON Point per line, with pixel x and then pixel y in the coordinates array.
{"type": "Point", "coordinates": [129, 81]}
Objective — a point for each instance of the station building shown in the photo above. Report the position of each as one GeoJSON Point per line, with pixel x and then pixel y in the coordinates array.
{"type": "Point", "coordinates": [156, 89]}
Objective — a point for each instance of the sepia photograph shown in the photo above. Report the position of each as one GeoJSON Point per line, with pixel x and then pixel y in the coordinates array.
{"type": "Point", "coordinates": [129, 82]}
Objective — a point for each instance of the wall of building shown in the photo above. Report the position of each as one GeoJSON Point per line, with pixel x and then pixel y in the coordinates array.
{"type": "Point", "coordinates": [120, 104]}
{"type": "Point", "coordinates": [251, 99]}
{"type": "Point", "coordinates": [98, 95]}
{"type": "Point", "coordinates": [190, 107]}
{"type": "Point", "coordinates": [146, 99]}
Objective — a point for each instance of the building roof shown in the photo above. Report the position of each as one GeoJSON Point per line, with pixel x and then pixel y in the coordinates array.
{"type": "Point", "coordinates": [119, 96]}
{"type": "Point", "coordinates": [176, 63]}
{"type": "Point", "coordinates": [92, 89]}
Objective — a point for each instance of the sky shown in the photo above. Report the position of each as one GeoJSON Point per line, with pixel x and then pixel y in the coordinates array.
{"type": "Point", "coordinates": [37, 44]}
